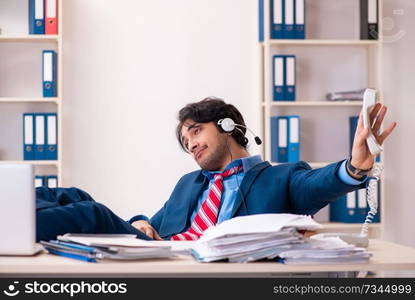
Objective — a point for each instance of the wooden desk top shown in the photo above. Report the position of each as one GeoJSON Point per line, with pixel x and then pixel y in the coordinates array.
{"type": "Point", "coordinates": [386, 256]}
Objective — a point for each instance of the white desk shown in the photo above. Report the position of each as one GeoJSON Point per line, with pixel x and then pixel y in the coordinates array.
{"type": "Point", "coordinates": [386, 257]}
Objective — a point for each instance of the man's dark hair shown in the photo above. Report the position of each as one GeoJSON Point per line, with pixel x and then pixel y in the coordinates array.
{"type": "Point", "coordinates": [211, 109]}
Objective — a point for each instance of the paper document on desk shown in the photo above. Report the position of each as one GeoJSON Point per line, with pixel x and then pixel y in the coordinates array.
{"type": "Point", "coordinates": [127, 240]}
{"type": "Point", "coordinates": [268, 236]}
{"type": "Point", "coordinates": [324, 251]}
{"type": "Point", "coordinates": [115, 246]}
{"type": "Point", "coordinates": [253, 237]}
{"type": "Point", "coordinates": [259, 224]}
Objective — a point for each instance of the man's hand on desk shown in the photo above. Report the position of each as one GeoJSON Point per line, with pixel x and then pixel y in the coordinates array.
{"type": "Point", "coordinates": [146, 228]}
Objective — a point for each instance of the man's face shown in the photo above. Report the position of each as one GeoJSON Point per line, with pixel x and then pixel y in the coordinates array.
{"type": "Point", "coordinates": [206, 144]}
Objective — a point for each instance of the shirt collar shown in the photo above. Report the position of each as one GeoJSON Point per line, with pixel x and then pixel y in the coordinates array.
{"type": "Point", "coordinates": [247, 164]}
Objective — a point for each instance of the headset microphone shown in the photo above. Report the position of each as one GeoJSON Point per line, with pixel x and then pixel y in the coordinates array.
{"type": "Point", "coordinates": [228, 125]}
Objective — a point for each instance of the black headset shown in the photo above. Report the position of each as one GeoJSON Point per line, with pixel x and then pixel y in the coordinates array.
{"type": "Point", "coordinates": [228, 125]}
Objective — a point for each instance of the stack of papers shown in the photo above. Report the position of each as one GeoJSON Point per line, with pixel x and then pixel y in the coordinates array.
{"type": "Point", "coordinates": [326, 250]}
{"type": "Point", "coordinates": [273, 236]}
{"type": "Point", "coordinates": [93, 247]}
{"type": "Point", "coordinates": [253, 237]}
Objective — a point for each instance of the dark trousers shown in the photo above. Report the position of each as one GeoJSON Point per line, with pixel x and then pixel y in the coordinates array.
{"type": "Point", "coordinates": [71, 210]}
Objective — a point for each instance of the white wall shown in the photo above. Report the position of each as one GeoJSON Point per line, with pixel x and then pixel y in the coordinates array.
{"type": "Point", "coordinates": [129, 67]}
{"type": "Point", "coordinates": [399, 95]}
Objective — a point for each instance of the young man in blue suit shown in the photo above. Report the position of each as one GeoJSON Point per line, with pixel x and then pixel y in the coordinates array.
{"type": "Point", "coordinates": [255, 188]}
{"type": "Point", "coordinates": [259, 187]}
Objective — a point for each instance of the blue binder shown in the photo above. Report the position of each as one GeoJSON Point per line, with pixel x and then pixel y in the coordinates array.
{"type": "Point", "coordinates": [344, 209]}
{"type": "Point", "coordinates": [277, 19]}
{"type": "Point", "coordinates": [40, 134]}
{"type": "Point", "coordinates": [52, 181]}
{"type": "Point", "coordinates": [289, 77]}
{"type": "Point", "coordinates": [299, 20]}
{"type": "Point", "coordinates": [261, 20]}
{"type": "Point", "coordinates": [353, 121]}
{"type": "Point", "coordinates": [279, 139]}
{"type": "Point", "coordinates": [49, 73]}
{"type": "Point", "coordinates": [51, 149]}
{"type": "Point", "coordinates": [36, 17]}
{"type": "Point", "coordinates": [39, 181]}
{"type": "Point", "coordinates": [278, 75]}
{"type": "Point", "coordinates": [353, 208]}
{"type": "Point", "coordinates": [293, 138]}
{"type": "Point", "coordinates": [28, 136]}
{"type": "Point", "coordinates": [289, 14]}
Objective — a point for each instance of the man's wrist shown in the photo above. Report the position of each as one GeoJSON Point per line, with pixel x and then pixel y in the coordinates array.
{"type": "Point", "coordinates": [354, 172]}
{"type": "Point", "coordinates": [357, 177]}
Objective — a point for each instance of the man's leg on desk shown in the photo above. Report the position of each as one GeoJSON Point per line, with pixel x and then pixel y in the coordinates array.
{"type": "Point", "coordinates": [71, 210]}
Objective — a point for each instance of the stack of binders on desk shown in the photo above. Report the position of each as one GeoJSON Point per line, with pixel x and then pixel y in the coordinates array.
{"type": "Point", "coordinates": [271, 236]}
{"type": "Point", "coordinates": [95, 247]}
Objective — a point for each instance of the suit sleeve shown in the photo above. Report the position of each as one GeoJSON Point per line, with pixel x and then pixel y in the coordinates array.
{"type": "Point", "coordinates": [312, 189]}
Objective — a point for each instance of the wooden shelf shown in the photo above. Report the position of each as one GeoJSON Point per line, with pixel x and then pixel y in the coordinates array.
{"type": "Point", "coordinates": [29, 38]}
{"type": "Point", "coordinates": [28, 100]}
{"type": "Point", "coordinates": [322, 42]}
{"type": "Point", "coordinates": [32, 162]}
{"type": "Point", "coordinates": [314, 103]}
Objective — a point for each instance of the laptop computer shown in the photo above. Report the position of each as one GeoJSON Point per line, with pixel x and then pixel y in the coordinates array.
{"type": "Point", "coordinates": [17, 210]}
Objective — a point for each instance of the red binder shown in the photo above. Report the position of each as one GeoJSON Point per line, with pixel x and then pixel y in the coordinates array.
{"type": "Point", "coordinates": [51, 16]}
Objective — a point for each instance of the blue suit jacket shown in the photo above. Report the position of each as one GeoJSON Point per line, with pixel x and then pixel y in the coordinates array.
{"type": "Point", "coordinates": [287, 188]}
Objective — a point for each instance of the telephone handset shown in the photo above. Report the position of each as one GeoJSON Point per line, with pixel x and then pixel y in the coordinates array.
{"type": "Point", "coordinates": [361, 240]}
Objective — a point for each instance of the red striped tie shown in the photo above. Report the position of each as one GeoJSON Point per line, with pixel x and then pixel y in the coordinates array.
{"type": "Point", "coordinates": [208, 212]}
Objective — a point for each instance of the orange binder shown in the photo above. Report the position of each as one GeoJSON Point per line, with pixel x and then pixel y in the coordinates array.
{"type": "Point", "coordinates": [51, 16]}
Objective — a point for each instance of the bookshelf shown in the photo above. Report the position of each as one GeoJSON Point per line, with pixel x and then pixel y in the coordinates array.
{"type": "Point", "coordinates": [21, 93]}
{"type": "Point", "coordinates": [336, 59]}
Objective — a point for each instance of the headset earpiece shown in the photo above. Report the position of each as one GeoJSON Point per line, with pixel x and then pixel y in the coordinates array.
{"type": "Point", "coordinates": [227, 124]}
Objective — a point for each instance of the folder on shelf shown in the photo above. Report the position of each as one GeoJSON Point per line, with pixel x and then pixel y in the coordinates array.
{"type": "Point", "coordinates": [39, 181]}
{"type": "Point", "coordinates": [293, 138]}
{"type": "Point", "coordinates": [279, 139]}
{"type": "Point", "coordinates": [353, 207]}
{"type": "Point", "coordinates": [278, 74]}
{"type": "Point", "coordinates": [49, 73]}
{"type": "Point", "coordinates": [288, 27]}
{"type": "Point", "coordinates": [51, 16]}
{"type": "Point", "coordinates": [261, 20]}
{"type": "Point", "coordinates": [51, 151]}
{"type": "Point", "coordinates": [369, 19]}
{"type": "Point", "coordinates": [28, 136]}
{"type": "Point", "coordinates": [344, 209]}
{"type": "Point", "coordinates": [299, 21]}
{"type": "Point", "coordinates": [36, 17]}
{"type": "Point", "coordinates": [52, 181]}
{"type": "Point", "coordinates": [40, 141]}
{"type": "Point", "coordinates": [277, 19]}
{"type": "Point", "coordinates": [289, 78]}
{"type": "Point", "coordinates": [353, 121]}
